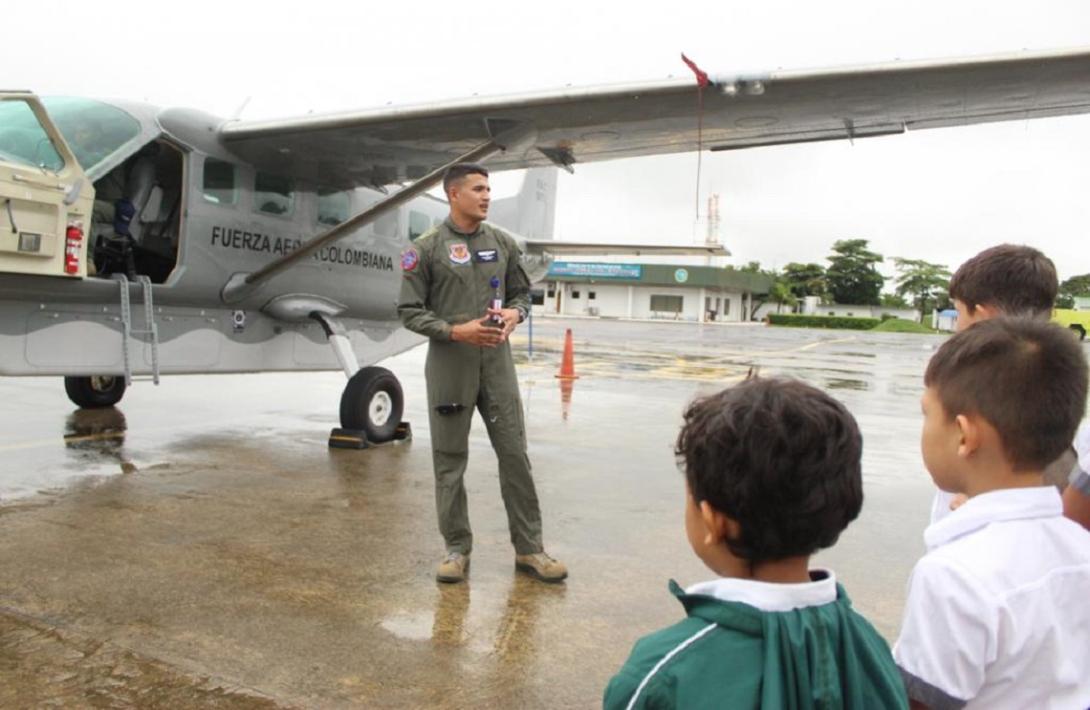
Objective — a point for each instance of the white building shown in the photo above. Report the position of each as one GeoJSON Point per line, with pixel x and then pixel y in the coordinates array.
{"type": "Point", "coordinates": [810, 306]}
{"type": "Point", "coordinates": [666, 291]}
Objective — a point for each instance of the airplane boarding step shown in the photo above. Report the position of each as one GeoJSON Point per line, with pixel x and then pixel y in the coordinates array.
{"type": "Point", "coordinates": [151, 329]}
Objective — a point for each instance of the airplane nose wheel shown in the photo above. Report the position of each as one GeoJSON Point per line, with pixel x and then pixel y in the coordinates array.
{"type": "Point", "coordinates": [372, 401]}
{"type": "Point", "coordinates": [96, 391]}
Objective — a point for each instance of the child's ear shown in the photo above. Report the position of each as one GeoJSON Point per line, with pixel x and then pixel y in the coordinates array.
{"type": "Point", "coordinates": [718, 527]}
{"type": "Point", "coordinates": [969, 432]}
{"type": "Point", "coordinates": [984, 311]}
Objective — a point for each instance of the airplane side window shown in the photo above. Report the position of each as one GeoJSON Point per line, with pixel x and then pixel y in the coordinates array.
{"type": "Point", "coordinates": [418, 224]}
{"type": "Point", "coordinates": [220, 182]}
{"type": "Point", "coordinates": [274, 195]}
{"type": "Point", "coordinates": [332, 207]}
{"type": "Point", "coordinates": [386, 225]}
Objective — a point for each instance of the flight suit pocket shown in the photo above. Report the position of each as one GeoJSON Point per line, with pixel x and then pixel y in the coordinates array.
{"type": "Point", "coordinates": [452, 375]}
{"type": "Point", "coordinates": [458, 272]}
{"type": "Point", "coordinates": [450, 431]}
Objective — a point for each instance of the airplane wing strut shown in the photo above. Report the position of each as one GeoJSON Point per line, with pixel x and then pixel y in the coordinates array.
{"type": "Point", "coordinates": [241, 285]}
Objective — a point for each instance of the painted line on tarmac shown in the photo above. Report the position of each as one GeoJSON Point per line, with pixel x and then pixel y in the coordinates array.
{"type": "Point", "coordinates": [593, 364]}
{"type": "Point", "coordinates": [827, 342]}
{"type": "Point", "coordinates": [36, 443]}
{"type": "Point", "coordinates": [95, 437]}
{"type": "Point", "coordinates": [105, 435]}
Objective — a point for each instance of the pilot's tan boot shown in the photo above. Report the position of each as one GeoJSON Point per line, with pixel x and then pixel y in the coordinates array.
{"type": "Point", "coordinates": [453, 568]}
{"type": "Point", "coordinates": [541, 566]}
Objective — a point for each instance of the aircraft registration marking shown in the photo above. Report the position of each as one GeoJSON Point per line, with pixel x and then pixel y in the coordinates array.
{"type": "Point", "coordinates": [244, 240]}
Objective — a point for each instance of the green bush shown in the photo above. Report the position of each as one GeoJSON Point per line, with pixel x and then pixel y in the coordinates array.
{"type": "Point", "coordinates": [792, 320]}
{"type": "Point", "coordinates": [903, 326]}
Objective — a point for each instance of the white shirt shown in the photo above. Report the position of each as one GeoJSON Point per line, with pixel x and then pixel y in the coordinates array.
{"type": "Point", "coordinates": [940, 505]}
{"type": "Point", "coordinates": [996, 615]}
{"type": "Point", "coordinates": [769, 596]}
{"type": "Point", "coordinates": [1080, 478]}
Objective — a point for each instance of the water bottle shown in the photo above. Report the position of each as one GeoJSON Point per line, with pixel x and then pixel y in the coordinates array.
{"type": "Point", "coordinates": [497, 302]}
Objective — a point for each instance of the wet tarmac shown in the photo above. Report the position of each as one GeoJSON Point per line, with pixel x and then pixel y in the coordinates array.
{"type": "Point", "coordinates": [200, 546]}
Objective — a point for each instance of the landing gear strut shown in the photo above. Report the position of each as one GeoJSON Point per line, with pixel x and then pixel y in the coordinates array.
{"type": "Point", "coordinates": [372, 401]}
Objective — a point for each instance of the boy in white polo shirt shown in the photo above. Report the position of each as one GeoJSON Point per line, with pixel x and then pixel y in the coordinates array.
{"type": "Point", "coordinates": [996, 614]}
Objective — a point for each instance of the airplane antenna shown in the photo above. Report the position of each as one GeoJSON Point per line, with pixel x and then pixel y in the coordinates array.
{"type": "Point", "coordinates": [702, 82]}
{"type": "Point", "coordinates": [238, 111]}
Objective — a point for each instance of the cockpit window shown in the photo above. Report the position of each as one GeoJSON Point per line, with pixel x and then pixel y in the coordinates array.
{"type": "Point", "coordinates": [92, 129]}
{"type": "Point", "coordinates": [23, 140]}
{"type": "Point", "coordinates": [220, 182]}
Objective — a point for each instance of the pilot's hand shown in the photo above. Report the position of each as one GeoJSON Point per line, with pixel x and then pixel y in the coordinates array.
{"type": "Point", "coordinates": [477, 332]}
{"type": "Point", "coordinates": [510, 318]}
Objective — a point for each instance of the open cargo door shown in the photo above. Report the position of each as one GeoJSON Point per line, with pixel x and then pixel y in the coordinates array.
{"type": "Point", "coordinates": [45, 198]}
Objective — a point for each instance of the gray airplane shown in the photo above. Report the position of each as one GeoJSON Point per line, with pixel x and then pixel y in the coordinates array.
{"type": "Point", "coordinates": [139, 241]}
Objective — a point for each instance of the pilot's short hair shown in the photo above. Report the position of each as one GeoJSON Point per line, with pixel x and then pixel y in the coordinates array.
{"type": "Point", "coordinates": [1016, 279]}
{"type": "Point", "coordinates": [779, 457]}
{"type": "Point", "coordinates": [1025, 377]}
{"type": "Point", "coordinates": [458, 171]}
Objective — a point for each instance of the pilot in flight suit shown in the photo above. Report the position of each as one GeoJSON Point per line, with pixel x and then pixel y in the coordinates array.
{"type": "Point", "coordinates": [450, 277]}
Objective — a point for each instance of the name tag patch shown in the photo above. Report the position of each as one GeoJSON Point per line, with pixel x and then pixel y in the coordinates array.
{"type": "Point", "coordinates": [459, 253]}
{"type": "Point", "coordinates": [486, 255]}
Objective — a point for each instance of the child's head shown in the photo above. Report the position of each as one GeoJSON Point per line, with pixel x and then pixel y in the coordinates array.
{"type": "Point", "coordinates": [779, 460]}
{"type": "Point", "coordinates": [1011, 390]}
{"type": "Point", "coordinates": [1008, 279]}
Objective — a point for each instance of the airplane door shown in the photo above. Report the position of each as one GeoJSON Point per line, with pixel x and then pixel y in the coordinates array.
{"type": "Point", "coordinates": [45, 198]}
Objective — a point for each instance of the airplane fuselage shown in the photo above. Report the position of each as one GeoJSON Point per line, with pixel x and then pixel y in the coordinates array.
{"type": "Point", "coordinates": [217, 216]}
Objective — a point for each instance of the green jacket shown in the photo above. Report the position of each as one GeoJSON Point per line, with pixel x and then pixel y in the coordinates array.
{"type": "Point", "coordinates": [447, 277]}
{"type": "Point", "coordinates": [732, 655]}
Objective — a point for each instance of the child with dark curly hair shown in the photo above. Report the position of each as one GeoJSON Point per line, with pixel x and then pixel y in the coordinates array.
{"type": "Point", "coordinates": [772, 471]}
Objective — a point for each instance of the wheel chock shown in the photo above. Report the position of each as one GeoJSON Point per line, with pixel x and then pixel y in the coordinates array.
{"type": "Point", "coordinates": [357, 438]}
{"type": "Point", "coordinates": [348, 439]}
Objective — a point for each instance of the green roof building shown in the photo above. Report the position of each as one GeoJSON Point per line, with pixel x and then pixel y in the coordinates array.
{"type": "Point", "coordinates": [651, 291]}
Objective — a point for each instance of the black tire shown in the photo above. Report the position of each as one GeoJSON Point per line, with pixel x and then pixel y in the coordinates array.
{"type": "Point", "coordinates": [1079, 331]}
{"type": "Point", "coordinates": [372, 401]}
{"type": "Point", "coordinates": [96, 391]}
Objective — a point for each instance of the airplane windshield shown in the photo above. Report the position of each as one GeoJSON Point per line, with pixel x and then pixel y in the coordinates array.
{"type": "Point", "coordinates": [93, 130]}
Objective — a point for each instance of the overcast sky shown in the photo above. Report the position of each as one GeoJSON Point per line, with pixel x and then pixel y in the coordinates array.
{"type": "Point", "coordinates": [940, 195]}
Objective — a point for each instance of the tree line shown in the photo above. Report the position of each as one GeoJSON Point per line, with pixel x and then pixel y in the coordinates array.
{"type": "Point", "coordinates": [852, 277]}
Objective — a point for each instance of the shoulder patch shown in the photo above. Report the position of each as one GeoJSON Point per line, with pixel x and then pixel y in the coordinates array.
{"type": "Point", "coordinates": [409, 259]}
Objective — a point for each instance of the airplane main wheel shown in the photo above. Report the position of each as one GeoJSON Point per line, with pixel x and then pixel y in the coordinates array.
{"type": "Point", "coordinates": [372, 401]}
{"type": "Point", "coordinates": [96, 391]}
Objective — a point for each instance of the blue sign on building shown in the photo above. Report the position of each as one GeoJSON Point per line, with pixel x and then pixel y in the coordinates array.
{"type": "Point", "coordinates": [593, 270]}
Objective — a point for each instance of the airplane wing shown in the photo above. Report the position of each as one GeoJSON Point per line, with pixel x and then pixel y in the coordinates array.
{"type": "Point", "coordinates": [549, 246]}
{"type": "Point", "coordinates": [576, 125]}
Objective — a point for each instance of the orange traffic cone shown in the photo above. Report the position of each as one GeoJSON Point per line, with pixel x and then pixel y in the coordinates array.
{"type": "Point", "coordinates": [567, 365]}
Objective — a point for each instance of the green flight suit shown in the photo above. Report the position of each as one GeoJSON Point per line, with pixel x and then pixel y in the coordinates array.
{"type": "Point", "coordinates": [446, 282]}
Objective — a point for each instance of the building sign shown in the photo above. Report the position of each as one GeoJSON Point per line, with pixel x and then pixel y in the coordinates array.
{"type": "Point", "coordinates": [592, 270]}
{"type": "Point", "coordinates": [681, 275]}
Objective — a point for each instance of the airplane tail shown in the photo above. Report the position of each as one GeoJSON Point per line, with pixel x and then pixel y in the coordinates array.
{"type": "Point", "coordinates": [530, 213]}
